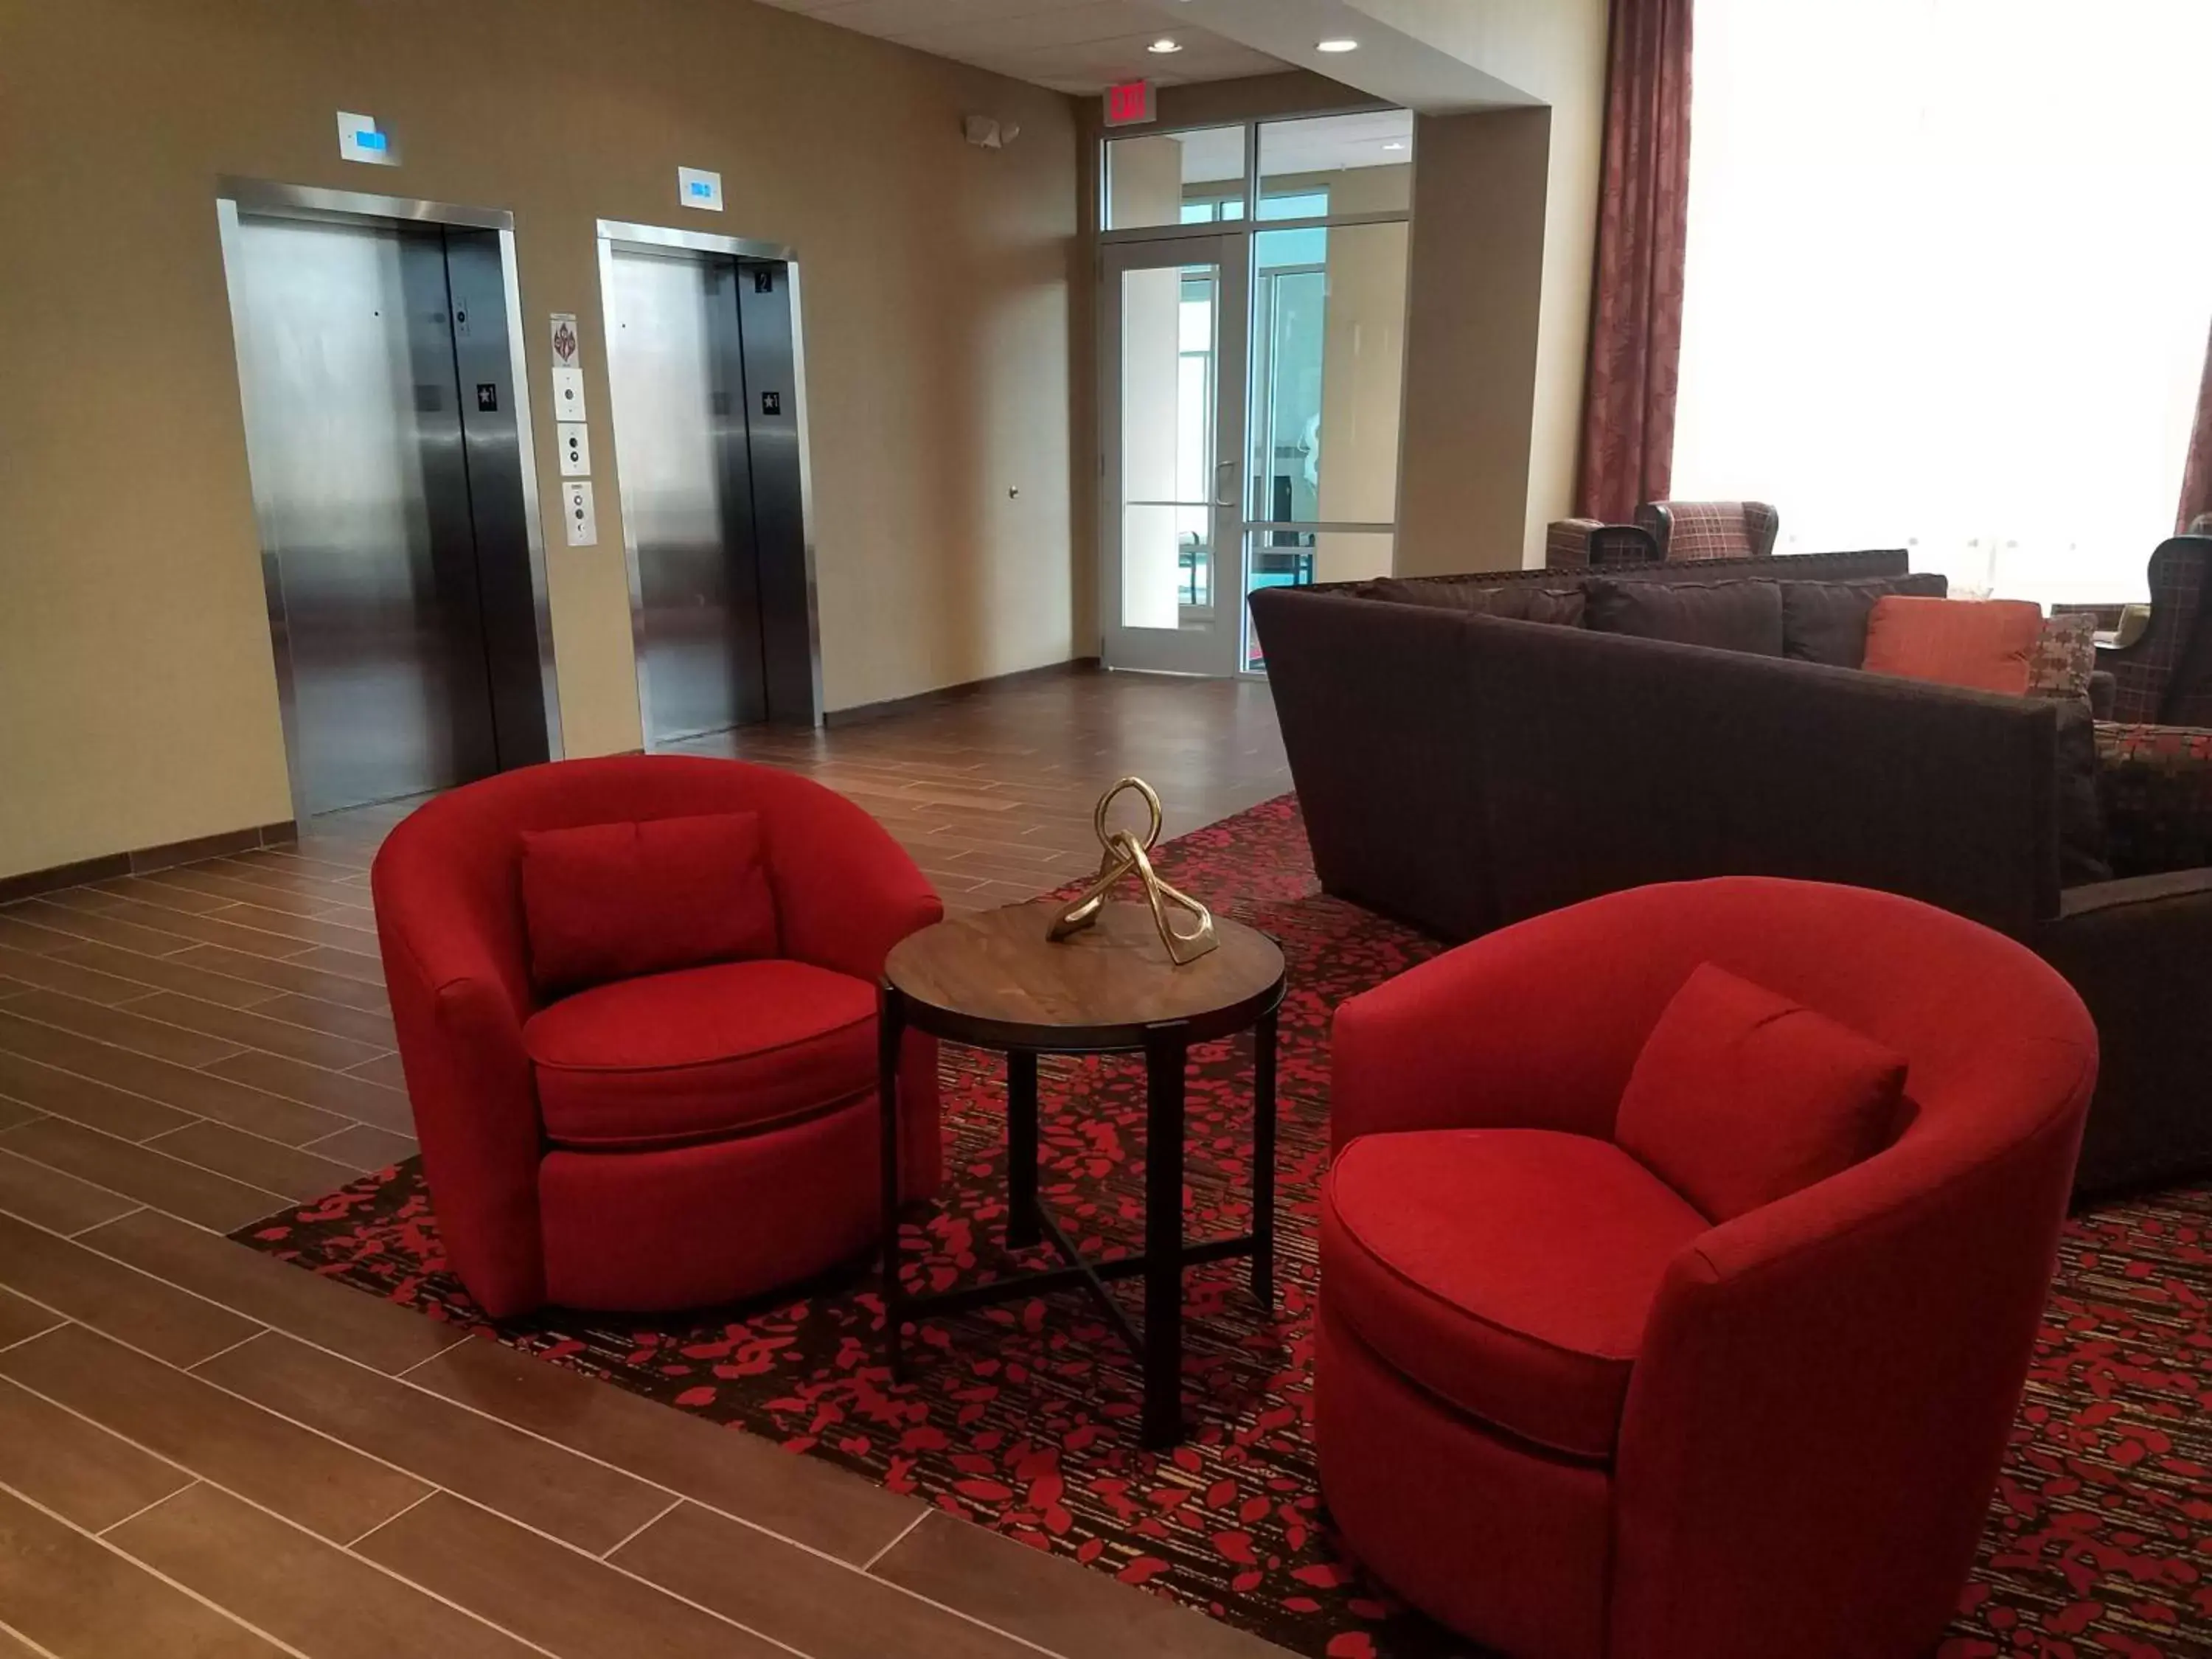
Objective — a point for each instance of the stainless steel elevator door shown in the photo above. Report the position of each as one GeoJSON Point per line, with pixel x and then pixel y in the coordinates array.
{"type": "Point", "coordinates": [353, 431]}
{"type": "Point", "coordinates": [679, 414]}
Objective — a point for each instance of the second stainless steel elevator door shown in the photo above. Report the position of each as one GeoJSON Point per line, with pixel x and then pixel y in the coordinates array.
{"type": "Point", "coordinates": [676, 363]}
{"type": "Point", "coordinates": [354, 431]}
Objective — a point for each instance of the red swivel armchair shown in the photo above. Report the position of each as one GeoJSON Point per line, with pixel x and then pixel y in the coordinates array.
{"type": "Point", "coordinates": [668, 1141]}
{"type": "Point", "coordinates": [1566, 1413]}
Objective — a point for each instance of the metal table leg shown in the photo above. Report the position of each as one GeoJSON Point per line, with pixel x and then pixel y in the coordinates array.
{"type": "Point", "coordinates": [1022, 1228]}
{"type": "Point", "coordinates": [1263, 1161]}
{"type": "Point", "coordinates": [890, 1026]}
{"type": "Point", "coordinates": [1164, 1059]}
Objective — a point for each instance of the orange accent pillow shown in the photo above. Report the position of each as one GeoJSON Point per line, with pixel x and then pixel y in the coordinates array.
{"type": "Point", "coordinates": [1982, 644]}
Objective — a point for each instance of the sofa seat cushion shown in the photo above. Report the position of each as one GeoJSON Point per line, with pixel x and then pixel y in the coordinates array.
{"type": "Point", "coordinates": [732, 1048]}
{"type": "Point", "coordinates": [1507, 1272]}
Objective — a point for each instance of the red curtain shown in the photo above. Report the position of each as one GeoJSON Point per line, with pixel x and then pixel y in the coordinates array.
{"type": "Point", "coordinates": [2197, 470]}
{"type": "Point", "coordinates": [1636, 310]}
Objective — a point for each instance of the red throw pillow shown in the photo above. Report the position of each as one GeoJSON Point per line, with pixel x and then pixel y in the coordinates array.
{"type": "Point", "coordinates": [1983, 645]}
{"type": "Point", "coordinates": [1741, 1096]}
{"type": "Point", "coordinates": [619, 901]}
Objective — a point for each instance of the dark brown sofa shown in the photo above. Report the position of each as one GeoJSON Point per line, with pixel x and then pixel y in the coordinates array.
{"type": "Point", "coordinates": [1460, 772]}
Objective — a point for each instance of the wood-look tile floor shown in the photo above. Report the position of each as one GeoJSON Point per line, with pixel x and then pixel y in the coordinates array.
{"type": "Point", "coordinates": [204, 1452]}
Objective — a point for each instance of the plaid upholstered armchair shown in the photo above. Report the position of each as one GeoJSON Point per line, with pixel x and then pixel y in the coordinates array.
{"type": "Point", "coordinates": [1710, 530]}
{"type": "Point", "coordinates": [2154, 752]}
{"type": "Point", "coordinates": [1665, 530]}
{"type": "Point", "coordinates": [2164, 676]}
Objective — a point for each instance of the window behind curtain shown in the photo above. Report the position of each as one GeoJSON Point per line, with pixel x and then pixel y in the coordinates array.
{"type": "Point", "coordinates": [1949, 278]}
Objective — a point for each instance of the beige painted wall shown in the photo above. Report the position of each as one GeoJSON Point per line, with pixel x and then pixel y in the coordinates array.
{"type": "Point", "coordinates": [1363, 361]}
{"type": "Point", "coordinates": [137, 701]}
{"type": "Point", "coordinates": [1475, 295]}
{"type": "Point", "coordinates": [1554, 51]}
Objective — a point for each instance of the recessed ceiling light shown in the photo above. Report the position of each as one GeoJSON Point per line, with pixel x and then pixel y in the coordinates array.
{"type": "Point", "coordinates": [1394, 144]}
{"type": "Point", "coordinates": [1336, 45]}
{"type": "Point", "coordinates": [1165, 43]}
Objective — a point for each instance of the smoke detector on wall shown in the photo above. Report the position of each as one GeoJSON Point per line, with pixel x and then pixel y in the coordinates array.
{"type": "Point", "coordinates": [988, 132]}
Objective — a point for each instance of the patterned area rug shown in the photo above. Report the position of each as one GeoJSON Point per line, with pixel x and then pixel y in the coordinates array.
{"type": "Point", "coordinates": [1023, 1419]}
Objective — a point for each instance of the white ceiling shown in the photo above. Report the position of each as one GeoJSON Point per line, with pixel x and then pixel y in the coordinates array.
{"type": "Point", "coordinates": [1074, 45]}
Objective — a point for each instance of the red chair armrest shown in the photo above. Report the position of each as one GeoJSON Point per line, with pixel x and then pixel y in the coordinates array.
{"type": "Point", "coordinates": [1861, 1340]}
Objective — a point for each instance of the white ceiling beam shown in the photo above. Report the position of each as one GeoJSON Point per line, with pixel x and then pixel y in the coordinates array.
{"type": "Point", "coordinates": [1392, 61]}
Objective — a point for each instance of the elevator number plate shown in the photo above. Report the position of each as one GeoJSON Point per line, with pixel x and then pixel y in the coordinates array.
{"type": "Point", "coordinates": [486, 397]}
{"type": "Point", "coordinates": [771, 403]}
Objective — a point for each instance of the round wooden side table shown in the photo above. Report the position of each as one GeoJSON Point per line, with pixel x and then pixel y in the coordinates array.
{"type": "Point", "coordinates": [994, 981]}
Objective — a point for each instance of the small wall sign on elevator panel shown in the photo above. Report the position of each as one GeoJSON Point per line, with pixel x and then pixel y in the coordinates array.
{"type": "Point", "coordinates": [568, 394]}
{"type": "Point", "coordinates": [360, 139]}
{"type": "Point", "coordinates": [582, 524]}
{"type": "Point", "coordinates": [564, 341]}
{"type": "Point", "coordinates": [575, 450]}
{"type": "Point", "coordinates": [697, 188]}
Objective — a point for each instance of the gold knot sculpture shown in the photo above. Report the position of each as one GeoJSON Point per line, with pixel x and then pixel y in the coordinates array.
{"type": "Point", "coordinates": [1125, 855]}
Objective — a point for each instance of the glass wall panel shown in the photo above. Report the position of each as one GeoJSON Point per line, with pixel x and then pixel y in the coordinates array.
{"type": "Point", "coordinates": [1333, 164]}
{"type": "Point", "coordinates": [1329, 335]}
{"type": "Point", "coordinates": [1298, 558]}
{"type": "Point", "coordinates": [1169, 333]}
{"type": "Point", "coordinates": [1175, 179]}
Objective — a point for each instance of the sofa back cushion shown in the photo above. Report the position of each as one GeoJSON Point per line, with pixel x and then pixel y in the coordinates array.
{"type": "Point", "coordinates": [1727, 615]}
{"type": "Point", "coordinates": [607, 902]}
{"type": "Point", "coordinates": [1742, 1097]}
{"type": "Point", "coordinates": [1982, 644]}
{"type": "Point", "coordinates": [1826, 621]}
{"type": "Point", "coordinates": [1515, 601]}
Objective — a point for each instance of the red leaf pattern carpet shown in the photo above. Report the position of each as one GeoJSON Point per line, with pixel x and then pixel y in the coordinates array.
{"type": "Point", "coordinates": [1024, 1418]}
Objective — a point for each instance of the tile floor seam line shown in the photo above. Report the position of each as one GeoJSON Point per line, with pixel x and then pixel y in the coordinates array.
{"type": "Point", "coordinates": [152, 1143]}
{"type": "Point", "coordinates": [355, 1542]}
{"type": "Point", "coordinates": [35, 1335]}
{"type": "Point", "coordinates": [281, 1519]}
{"type": "Point", "coordinates": [635, 1533]}
{"type": "Point", "coordinates": [37, 1647]}
{"type": "Point", "coordinates": [192, 1482]}
{"type": "Point", "coordinates": [274, 1019]}
{"type": "Point", "coordinates": [135, 1209]}
{"type": "Point", "coordinates": [643, 1480]}
{"type": "Point", "coordinates": [905, 1533]}
{"type": "Point", "coordinates": [133, 1267]}
{"type": "Point", "coordinates": [124, 1047]}
{"type": "Point", "coordinates": [368, 1455]}
{"type": "Point", "coordinates": [192, 1370]}
{"type": "Point", "coordinates": [152, 1571]}
{"type": "Point", "coordinates": [140, 1094]}
{"type": "Point", "coordinates": [282, 1201]}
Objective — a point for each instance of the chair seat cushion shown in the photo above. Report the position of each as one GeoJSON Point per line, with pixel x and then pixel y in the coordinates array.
{"type": "Point", "coordinates": [1505, 1270]}
{"type": "Point", "coordinates": [731, 1048]}
{"type": "Point", "coordinates": [1508, 1271]}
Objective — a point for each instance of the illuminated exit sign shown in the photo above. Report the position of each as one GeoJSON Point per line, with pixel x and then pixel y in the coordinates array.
{"type": "Point", "coordinates": [1129, 104]}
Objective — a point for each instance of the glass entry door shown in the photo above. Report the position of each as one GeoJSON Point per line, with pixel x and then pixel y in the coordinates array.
{"type": "Point", "coordinates": [1173, 322]}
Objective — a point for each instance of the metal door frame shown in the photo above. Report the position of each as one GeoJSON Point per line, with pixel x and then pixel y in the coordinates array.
{"type": "Point", "coordinates": [1232, 343]}
{"type": "Point", "coordinates": [269, 198]}
{"type": "Point", "coordinates": [618, 233]}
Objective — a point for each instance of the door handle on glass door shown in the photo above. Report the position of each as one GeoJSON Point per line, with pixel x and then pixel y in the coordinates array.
{"type": "Point", "coordinates": [1220, 467]}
